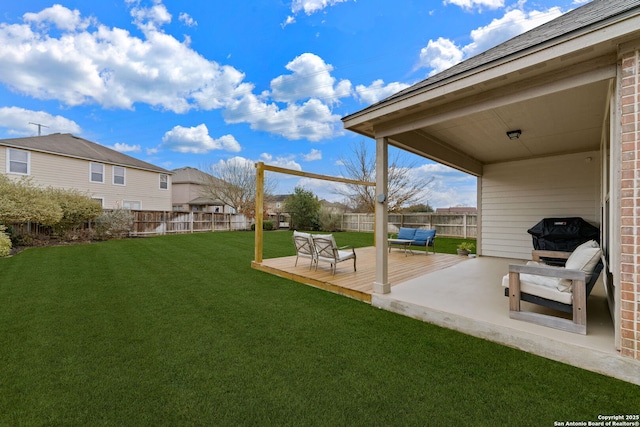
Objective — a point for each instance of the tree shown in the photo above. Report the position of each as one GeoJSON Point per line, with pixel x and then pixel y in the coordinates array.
{"type": "Point", "coordinates": [233, 182]}
{"type": "Point", "coordinates": [304, 208]}
{"type": "Point", "coordinates": [404, 187]}
{"type": "Point", "coordinates": [419, 208]}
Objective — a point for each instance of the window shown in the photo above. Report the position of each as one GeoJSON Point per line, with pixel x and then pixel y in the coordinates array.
{"type": "Point", "coordinates": [164, 181]}
{"type": "Point", "coordinates": [131, 204]}
{"type": "Point", "coordinates": [99, 199]}
{"type": "Point", "coordinates": [18, 161]}
{"type": "Point", "coordinates": [97, 172]}
{"type": "Point", "coordinates": [118, 175]}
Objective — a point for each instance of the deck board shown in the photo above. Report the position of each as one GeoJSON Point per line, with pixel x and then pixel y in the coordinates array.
{"type": "Point", "coordinates": [359, 284]}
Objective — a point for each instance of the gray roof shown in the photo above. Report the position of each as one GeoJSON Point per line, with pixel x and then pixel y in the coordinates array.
{"type": "Point", "coordinates": [190, 175]}
{"type": "Point", "coordinates": [590, 16]}
{"type": "Point", "coordinates": [65, 144]}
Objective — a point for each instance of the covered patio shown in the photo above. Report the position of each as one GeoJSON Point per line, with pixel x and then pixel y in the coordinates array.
{"type": "Point", "coordinates": [466, 295]}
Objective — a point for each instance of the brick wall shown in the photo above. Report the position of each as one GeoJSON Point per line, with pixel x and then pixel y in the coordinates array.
{"type": "Point", "coordinates": [630, 206]}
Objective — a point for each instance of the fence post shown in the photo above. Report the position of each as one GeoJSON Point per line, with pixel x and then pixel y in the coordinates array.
{"type": "Point", "coordinates": [464, 225]}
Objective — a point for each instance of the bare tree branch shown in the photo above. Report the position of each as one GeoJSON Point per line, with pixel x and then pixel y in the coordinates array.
{"type": "Point", "coordinates": [404, 187]}
{"type": "Point", "coordinates": [234, 184]}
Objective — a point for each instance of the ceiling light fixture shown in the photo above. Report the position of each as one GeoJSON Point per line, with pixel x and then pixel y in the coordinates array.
{"type": "Point", "coordinates": [514, 134]}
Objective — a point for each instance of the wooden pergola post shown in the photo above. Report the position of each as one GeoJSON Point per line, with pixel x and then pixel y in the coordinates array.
{"type": "Point", "coordinates": [259, 211]}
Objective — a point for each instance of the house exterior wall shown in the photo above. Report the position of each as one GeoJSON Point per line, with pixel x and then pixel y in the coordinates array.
{"type": "Point", "coordinates": [516, 195]}
{"type": "Point", "coordinates": [182, 194]}
{"type": "Point", "coordinates": [71, 173]}
{"type": "Point", "coordinates": [630, 205]}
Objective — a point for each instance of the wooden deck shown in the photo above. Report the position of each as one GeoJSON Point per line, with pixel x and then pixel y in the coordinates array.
{"type": "Point", "coordinates": [358, 285]}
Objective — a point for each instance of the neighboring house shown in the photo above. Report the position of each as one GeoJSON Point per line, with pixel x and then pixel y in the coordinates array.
{"type": "Point", "coordinates": [274, 208]}
{"type": "Point", "coordinates": [549, 123]}
{"type": "Point", "coordinates": [67, 161]}
{"type": "Point", "coordinates": [188, 192]}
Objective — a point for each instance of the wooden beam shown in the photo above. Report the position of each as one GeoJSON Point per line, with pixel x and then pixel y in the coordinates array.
{"type": "Point", "coordinates": [315, 175]}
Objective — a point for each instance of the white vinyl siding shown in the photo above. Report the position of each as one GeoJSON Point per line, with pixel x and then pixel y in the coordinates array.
{"type": "Point", "coordinates": [18, 161]}
{"type": "Point", "coordinates": [517, 195]}
{"type": "Point", "coordinates": [96, 172]}
{"type": "Point", "coordinates": [118, 175]}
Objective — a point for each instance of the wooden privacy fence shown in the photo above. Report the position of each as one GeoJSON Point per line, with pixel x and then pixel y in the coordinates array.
{"type": "Point", "coordinates": [450, 225]}
{"type": "Point", "coordinates": [146, 223]}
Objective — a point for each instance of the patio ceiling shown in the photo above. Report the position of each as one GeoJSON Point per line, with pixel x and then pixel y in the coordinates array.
{"type": "Point", "coordinates": [469, 132]}
{"type": "Point", "coordinates": [556, 91]}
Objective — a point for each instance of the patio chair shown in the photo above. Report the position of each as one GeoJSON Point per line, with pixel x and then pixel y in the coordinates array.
{"type": "Point", "coordinates": [326, 250]}
{"type": "Point", "coordinates": [560, 288]}
{"type": "Point", "coordinates": [304, 247]}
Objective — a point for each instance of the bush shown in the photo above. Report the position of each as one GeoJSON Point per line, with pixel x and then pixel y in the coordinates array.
{"type": "Point", "coordinates": [266, 225]}
{"type": "Point", "coordinates": [115, 224]}
{"type": "Point", "coordinates": [329, 221]}
{"type": "Point", "coordinates": [5, 242]}
{"type": "Point", "coordinates": [77, 208]}
{"type": "Point", "coordinates": [22, 201]}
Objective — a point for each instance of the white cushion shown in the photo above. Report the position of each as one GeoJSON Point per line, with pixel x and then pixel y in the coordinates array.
{"type": "Point", "coordinates": [585, 257]}
{"type": "Point", "coordinates": [545, 287]}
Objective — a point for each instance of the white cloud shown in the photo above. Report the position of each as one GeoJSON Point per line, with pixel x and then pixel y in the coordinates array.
{"type": "Point", "coordinates": [514, 22]}
{"type": "Point", "coordinates": [280, 161]}
{"type": "Point", "coordinates": [197, 140]}
{"type": "Point", "coordinates": [443, 53]}
{"type": "Point", "coordinates": [289, 20]}
{"type": "Point", "coordinates": [377, 91]}
{"type": "Point", "coordinates": [61, 17]}
{"type": "Point", "coordinates": [439, 55]}
{"type": "Point", "coordinates": [110, 67]}
{"type": "Point", "coordinates": [312, 120]}
{"type": "Point", "coordinates": [187, 20]}
{"type": "Point", "coordinates": [18, 122]}
{"type": "Point", "coordinates": [312, 155]}
{"type": "Point", "coordinates": [126, 148]}
{"type": "Point", "coordinates": [237, 161]}
{"type": "Point", "coordinates": [470, 4]}
{"type": "Point", "coordinates": [310, 78]}
{"type": "Point", "coordinates": [312, 6]}
{"type": "Point", "coordinates": [151, 18]}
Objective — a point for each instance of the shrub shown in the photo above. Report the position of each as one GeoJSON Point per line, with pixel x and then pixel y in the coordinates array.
{"type": "Point", "coordinates": [329, 221]}
{"type": "Point", "coordinates": [5, 242]}
{"type": "Point", "coordinates": [114, 224]}
{"type": "Point", "coordinates": [77, 208]}
{"type": "Point", "coordinates": [266, 225]}
{"type": "Point", "coordinates": [21, 201]}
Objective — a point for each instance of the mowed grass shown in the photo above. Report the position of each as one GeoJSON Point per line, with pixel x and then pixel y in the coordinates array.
{"type": "Point", "coordinates": [179, 330]}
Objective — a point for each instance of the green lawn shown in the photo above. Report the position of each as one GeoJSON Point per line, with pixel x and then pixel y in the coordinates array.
{"type": "Point", "coordinates": [179, 330]}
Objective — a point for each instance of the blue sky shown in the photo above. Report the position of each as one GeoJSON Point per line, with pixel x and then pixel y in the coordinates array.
{"type": "Point", "coordinates": [196, 83]}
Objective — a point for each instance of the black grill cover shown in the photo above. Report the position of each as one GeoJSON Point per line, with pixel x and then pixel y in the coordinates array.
{"type": "Point", "coordinates": [562, 234]}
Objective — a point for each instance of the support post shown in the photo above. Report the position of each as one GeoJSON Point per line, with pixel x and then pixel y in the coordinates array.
{"type": "Point", "coordinates": [381, 227]}
{"type": "Point", "coordinates": [259, 211]}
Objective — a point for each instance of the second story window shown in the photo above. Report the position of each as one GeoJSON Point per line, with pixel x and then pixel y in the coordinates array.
{"type": "Point", "coordinates": [18, 161]}
{"type": "Point", "coordinates": [164, 181]}
{"type": "Point", "coordinates": [118, 175]}
{"type": "Point", "coordinates": [97, 172]}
